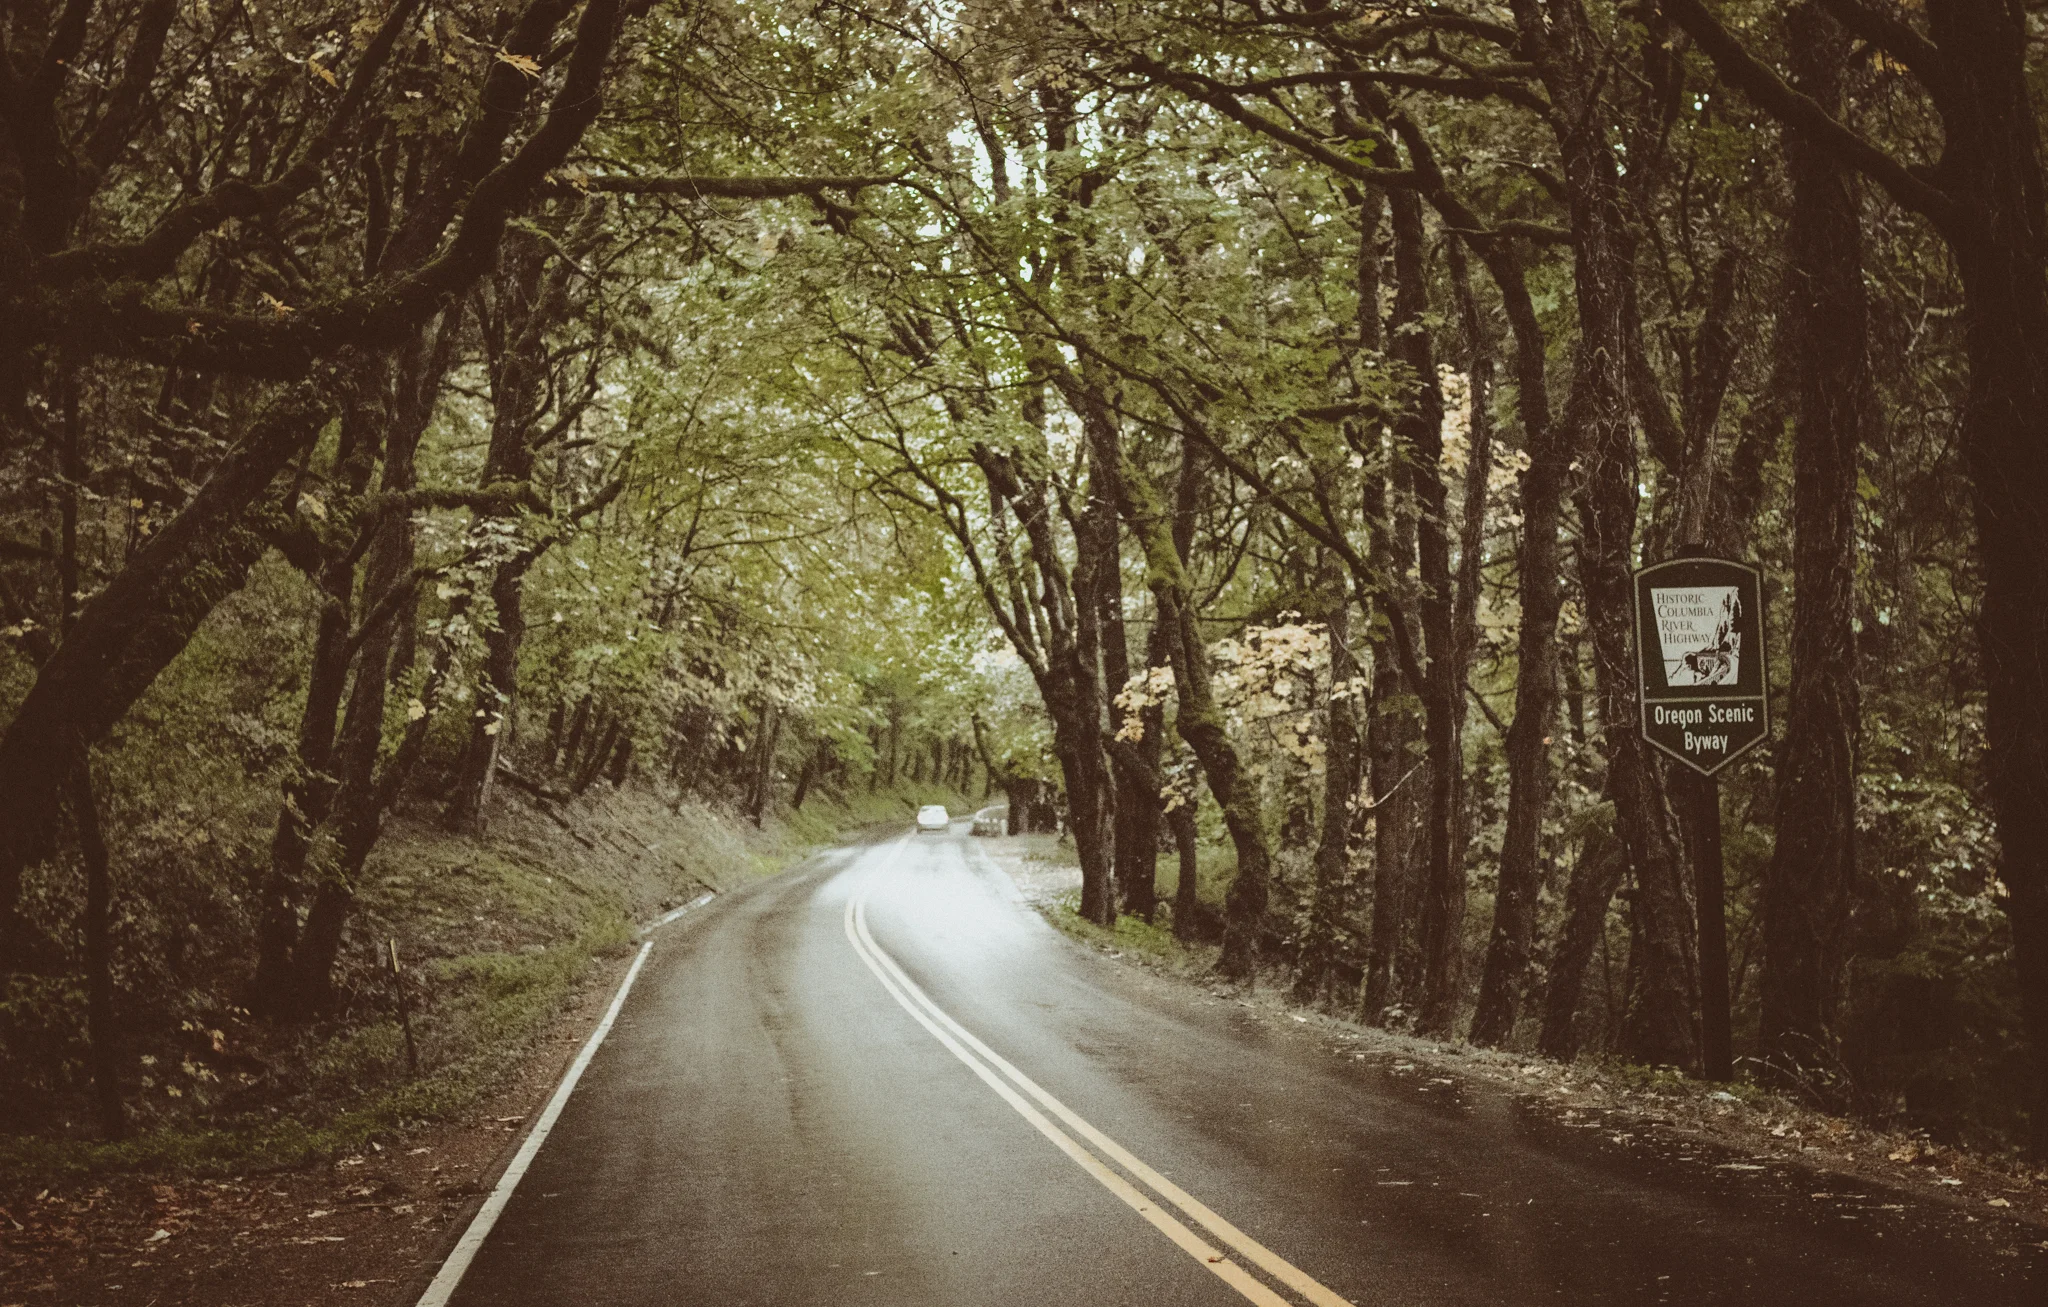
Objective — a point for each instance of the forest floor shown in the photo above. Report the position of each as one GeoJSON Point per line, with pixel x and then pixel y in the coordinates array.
{"type": "Point", "coordinates": [366, 1199]}
{"type": "Point", "coordinates": [1746, 1127]}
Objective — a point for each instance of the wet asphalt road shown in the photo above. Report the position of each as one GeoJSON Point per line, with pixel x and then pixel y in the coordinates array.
{"type": "Point", "coordinates": [778, 1118]}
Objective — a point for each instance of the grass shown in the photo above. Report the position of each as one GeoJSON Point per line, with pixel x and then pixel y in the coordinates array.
{"type": "Point", "coordinates": [1149, 942]}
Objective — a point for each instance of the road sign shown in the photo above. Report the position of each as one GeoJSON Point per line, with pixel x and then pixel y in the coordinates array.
{"type": "Point", "coordinates": [1700, 659]}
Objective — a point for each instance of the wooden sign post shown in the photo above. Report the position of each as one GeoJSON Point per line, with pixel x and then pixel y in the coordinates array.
{"type": "Point", "coordinates": [1705, 702]}
{"type": "Point", "coordinates": [412, 1051]}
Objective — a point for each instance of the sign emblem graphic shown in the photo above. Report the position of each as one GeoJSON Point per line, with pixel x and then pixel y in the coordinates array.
{"type": "Point", "coordinates": [1696, 630]}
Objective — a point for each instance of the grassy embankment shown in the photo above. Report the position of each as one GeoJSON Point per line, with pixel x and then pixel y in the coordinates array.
{"type": "Point", "coordinates": [496, 935]}
{"type": "Point", "coordinates": [1036, 857]}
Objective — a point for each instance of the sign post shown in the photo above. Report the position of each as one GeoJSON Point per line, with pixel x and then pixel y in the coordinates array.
{"type": "Point", "coordinates": [412, 1051]}
{"type": "Point", "coordinates": [1700, 664]}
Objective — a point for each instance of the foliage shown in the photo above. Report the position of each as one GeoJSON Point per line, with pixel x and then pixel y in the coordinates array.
{"type": "Point", "coordinates": [867, 401]}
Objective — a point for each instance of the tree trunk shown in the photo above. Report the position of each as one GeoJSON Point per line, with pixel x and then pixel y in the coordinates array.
{"type": "Point", "coordinates": [1328, 907]}
{"type": "Point", "coordinates": [307, 795]}
{"type": "Point", "coordinates": [1393, 960]}
{"type": "Point", "coordinates": [1538, 572]}
{"type": "Point", "coordinates": [477, 768]}
{"type": "Point", "coordinates": [1136, 804]}
{"type": "Point", "coordinates": [355, 813]}
{"type": "Point", "coordinates": [1187, 883]}
{"type": "Point", "coordinates": [600, 753]}
{"type": "Point", "coordinates": [361, 795]}
{"type": "Point", "coordinates": [761, 792]}
{"type": "Point", "coordinates": [1807, 887]}
{"type": "Point", "coordinates": [2001, 246]}
{"type": "Point", "coordinates": [621, 765]}
{"type": "Point", "coordinates": [1198, 720]}
{"type": "Point", "coordinates": [1069, 671]}
{"type": "Point", "coordinates": [1572, 59]}
{"type": "Point", "coordinates": [99, 956]}
{"type": "Point", "coordinates": [1468, 580]}
{"type": "Point", "coordinates": [1419, 435]}
{"type": "Point", "coordinates": [1661, 1026]}
{"type": "Point", "coordinates": [804, 777]}
{"type": "Point", "coordinates": [579, 721]}
{"type": "Point", "coordinates": [309, 788]}
{"type": "Point", "coordinates": [1602, 863]}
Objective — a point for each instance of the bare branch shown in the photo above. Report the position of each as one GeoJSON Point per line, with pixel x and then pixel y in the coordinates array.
{"type": "Point", "coordinates": [154, 254]}
{"type": "Point", "coordinates": [732, 188]}
{"type": "Point", "coordinates": [1216, 96]}
{"type": "Point", "coordinates": [1744, 71]}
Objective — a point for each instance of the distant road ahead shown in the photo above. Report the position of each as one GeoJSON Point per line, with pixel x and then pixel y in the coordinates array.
{"type": "Point", "coordinates": [880, 1079]}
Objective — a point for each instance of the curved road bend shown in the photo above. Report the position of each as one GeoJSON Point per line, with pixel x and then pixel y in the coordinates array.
{"type": "Point", "coordinates": [881, 1079]}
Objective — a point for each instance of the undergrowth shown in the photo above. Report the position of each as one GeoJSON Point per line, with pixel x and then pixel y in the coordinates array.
{"type": "Point", "coordinates": [495, 935]}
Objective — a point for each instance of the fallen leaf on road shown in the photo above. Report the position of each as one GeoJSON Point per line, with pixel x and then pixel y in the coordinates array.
{"type": "Point", "coordinates": [1997, 1202]}
{"type": "Point", "coordinates": [158, 1237]}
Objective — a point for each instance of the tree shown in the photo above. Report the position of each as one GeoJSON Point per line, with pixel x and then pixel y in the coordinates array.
{"type": "Point", "coordinates": [1985, 199]}
{"type": "Point", "coordinates": [1808, 888]}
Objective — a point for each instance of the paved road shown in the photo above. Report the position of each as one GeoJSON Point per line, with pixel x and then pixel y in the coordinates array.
{"type": "Point", "coordinates": [880, 1079]}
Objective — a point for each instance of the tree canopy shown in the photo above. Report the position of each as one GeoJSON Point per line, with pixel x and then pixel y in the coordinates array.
{"type": "Point", "coordinates": [1221, 425]}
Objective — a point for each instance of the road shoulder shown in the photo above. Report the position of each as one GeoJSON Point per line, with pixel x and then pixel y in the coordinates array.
{"type": "Point", "coordinates": [1741, 1131]}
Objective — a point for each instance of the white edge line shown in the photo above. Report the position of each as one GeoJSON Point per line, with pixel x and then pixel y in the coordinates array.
{"type": "Point", "coordinates": [443, 1288]}
{"type": "Point", "coordinates": [673, 913]}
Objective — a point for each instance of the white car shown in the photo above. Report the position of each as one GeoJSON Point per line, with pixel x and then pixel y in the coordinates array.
{"type": "Point", "coordinates": [933, 816]}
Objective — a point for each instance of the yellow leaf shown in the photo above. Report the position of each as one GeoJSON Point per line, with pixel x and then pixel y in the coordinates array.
{"type": "Point", "coordinates": [415, 710]}
{"type": "Point", "coordinates": [525, 63]}
{"type": "Point", "coordinates": [313, 67]}
{"type": "Point", "coordinates": [277, 306]}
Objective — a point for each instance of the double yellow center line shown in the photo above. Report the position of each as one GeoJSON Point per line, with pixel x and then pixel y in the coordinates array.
{"type": "Point", "coordinates": [1041, 1109]}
